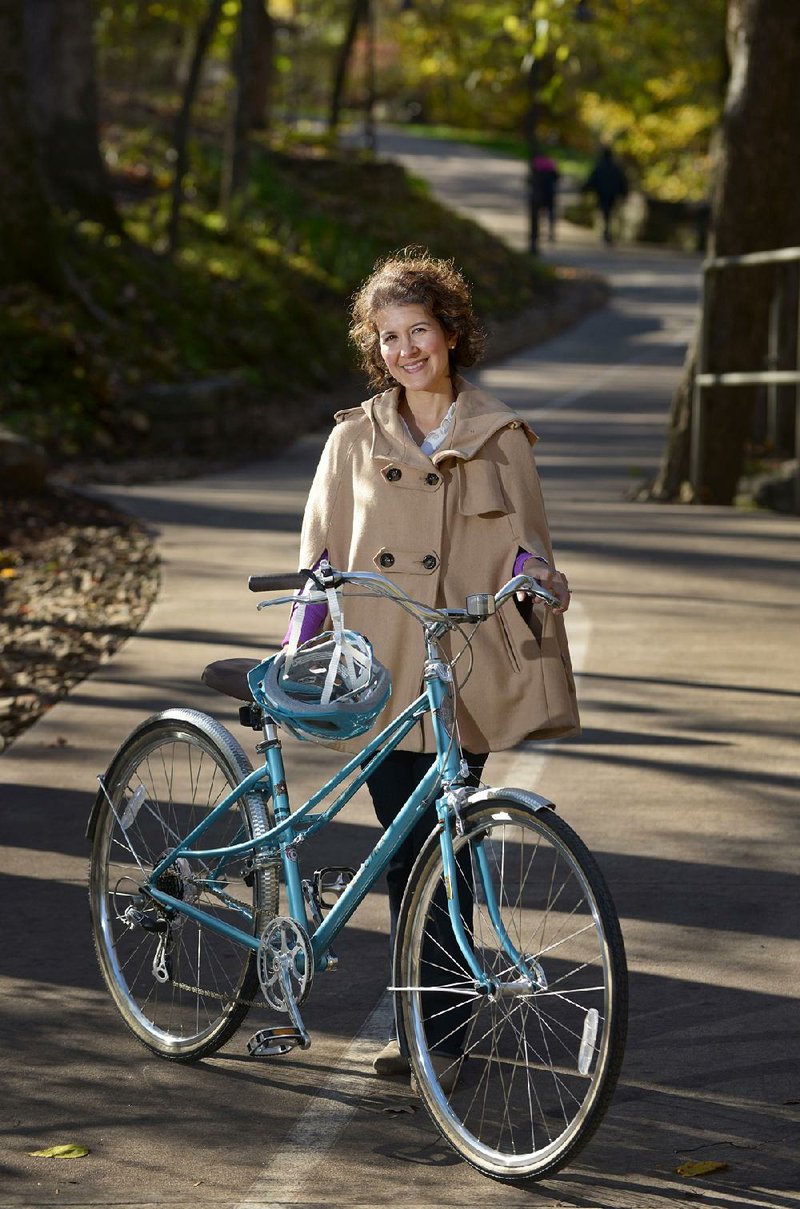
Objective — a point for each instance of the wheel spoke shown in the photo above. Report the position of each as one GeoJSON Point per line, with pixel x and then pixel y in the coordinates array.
{"type": "Point", "coordinates": [182, 764]}
{"type": "Point", "coordinates": [526, 1096]}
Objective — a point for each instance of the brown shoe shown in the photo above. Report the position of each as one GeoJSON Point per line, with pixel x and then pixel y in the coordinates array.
{"type": "Point", "coordinates": [447, 1068]}
{"type": "Point", "coordinates": [391, 1062]}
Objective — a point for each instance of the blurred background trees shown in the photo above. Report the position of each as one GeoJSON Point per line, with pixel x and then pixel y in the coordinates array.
{"type": "Point", "coordinates": [180, 222]}
{"type": "Point", "coordinates": [648, 75]}
{"type": "Point", "coordinates": [27, 247]}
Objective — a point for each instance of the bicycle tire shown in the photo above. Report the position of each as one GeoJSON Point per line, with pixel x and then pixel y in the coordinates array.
{"type": "Point", "coordinates": [531, 1082]}
{"type": "Point", "coordinates": [166, 776]}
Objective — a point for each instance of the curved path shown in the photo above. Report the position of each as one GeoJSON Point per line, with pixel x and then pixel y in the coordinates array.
{"type": "Point", "coordinates": [684, 782]}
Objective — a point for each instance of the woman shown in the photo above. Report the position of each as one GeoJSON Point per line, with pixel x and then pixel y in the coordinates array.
{"type": "Point", "coordinates": [432, 482]}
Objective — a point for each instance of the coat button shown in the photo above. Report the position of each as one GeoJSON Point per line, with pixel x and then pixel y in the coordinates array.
{"type": "Point", "coordinates": [431, 479]}
{"type": "Point", "coordinates": [387, 559]}
{"type": "Point", "coordinates": [429, 562]}
{"type": "Point", "coordinates": [394, 474]}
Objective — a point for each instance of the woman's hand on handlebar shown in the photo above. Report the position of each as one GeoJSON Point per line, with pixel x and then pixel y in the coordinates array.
{"type": "Point", "coordinates": [551, 579]}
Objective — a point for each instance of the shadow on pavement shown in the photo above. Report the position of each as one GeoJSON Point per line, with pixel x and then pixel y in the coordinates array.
{"type": "Point", "coordinates": [730, 1042]}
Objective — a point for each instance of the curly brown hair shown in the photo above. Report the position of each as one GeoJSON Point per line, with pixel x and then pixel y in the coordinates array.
{"type": "Point", "coordinates": [410, 276]}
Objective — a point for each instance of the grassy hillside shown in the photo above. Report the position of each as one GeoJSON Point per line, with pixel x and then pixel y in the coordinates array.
{"type": "Point", "coordinates": [218, 347]}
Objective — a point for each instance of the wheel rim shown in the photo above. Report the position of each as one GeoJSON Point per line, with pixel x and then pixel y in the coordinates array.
{"type": "Point", "coordinates": [176, 990]}
{"type": "Point", "coordinates": [535, 1062]}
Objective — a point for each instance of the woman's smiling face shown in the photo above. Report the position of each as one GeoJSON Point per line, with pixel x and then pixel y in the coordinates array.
{"type": "Point", "coordinates": [415, 348]}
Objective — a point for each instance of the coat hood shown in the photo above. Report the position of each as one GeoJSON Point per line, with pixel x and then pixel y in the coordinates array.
{"type": "Point", "coordinates": [478, 416]}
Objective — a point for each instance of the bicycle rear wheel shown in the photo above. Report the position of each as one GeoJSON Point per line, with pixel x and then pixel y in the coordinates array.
{"type": "Point", "coordinates": [534, 1066]}
{"type": "Point", "coordinates": [182, 988]}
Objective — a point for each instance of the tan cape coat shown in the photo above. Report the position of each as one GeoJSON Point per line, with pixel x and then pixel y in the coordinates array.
{"type": "Point", "coordinates": [443, 528]}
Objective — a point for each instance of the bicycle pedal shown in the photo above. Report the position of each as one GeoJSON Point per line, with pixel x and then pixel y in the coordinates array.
{"type": "Point", "coordinates": [273, 1042]}
{"type": "Point", "coordinates": [333, 879]}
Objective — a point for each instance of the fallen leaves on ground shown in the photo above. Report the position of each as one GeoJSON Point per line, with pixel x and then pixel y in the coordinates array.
{"type": "Point", "coordinates": [68, 1150]}
{"type": "Point", "coordinates": [84, 577]}
{"type": "Point", "coordinates": [706, 1167]}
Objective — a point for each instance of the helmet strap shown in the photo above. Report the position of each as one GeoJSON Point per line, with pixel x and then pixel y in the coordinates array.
{"type": "Point", "coordinates": [341, 648]}
{"type": "Point", "coordinates": [357, 663]}
{"type": "Point", "coordinates": [296, 623]}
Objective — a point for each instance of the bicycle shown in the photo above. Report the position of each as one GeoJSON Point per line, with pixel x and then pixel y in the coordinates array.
{"type": "Point", "coordinates": [508, 960]}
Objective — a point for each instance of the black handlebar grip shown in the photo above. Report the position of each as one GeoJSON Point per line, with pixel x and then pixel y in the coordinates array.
{"type": "Point", "coordinates": [288, 581]}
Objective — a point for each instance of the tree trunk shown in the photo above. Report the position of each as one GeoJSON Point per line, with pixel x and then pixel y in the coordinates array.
{"type": "Point", "coordinates": [358, 15]}
{"type": "Point", "coordinates": [236, 159]}
{"type": "Point", "coordinates": [262, 70]}
{"type": "Point", "coordinates": [27, 241]}
{"type": "Point", "coordinates": [183, 121]}
{"type": "Point", "coordinates": [755, 206]}
{"type": "Point", "coordinates": [63, 106]}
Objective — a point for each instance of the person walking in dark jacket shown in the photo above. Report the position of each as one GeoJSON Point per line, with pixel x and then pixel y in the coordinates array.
{"type": "Point", "coordinates": [545, 185]}
{"type": "Point", "coordinates": [609, 184]}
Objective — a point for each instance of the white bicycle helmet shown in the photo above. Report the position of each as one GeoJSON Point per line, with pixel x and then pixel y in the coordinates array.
{"type": "Point", "coordinates": [330, 688]}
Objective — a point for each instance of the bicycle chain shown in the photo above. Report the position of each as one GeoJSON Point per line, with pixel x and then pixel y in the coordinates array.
{"type": "Point", "coordinates": [195, 990]}
{"type": "Point", "coordinates": [184, 986]}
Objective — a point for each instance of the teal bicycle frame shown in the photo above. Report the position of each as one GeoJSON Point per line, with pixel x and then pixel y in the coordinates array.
{"type": "Point", "coordinates": [292, 828]}
{"type": "Point", "coordinates": [509, 1002]}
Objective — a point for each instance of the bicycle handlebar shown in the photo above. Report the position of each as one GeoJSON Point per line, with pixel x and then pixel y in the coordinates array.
{"type": "Point", "coordinates": [285, 581]}
{"type": "Point", "coordinates": [387, 588]}
{"type": "Point", "coordinates": [525, 583]}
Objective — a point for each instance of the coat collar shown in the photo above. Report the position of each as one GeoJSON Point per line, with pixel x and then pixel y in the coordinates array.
{"type": "Point", "coordinates": [478, 416]}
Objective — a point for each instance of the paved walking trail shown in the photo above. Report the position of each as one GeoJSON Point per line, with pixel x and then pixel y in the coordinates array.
{"type": "Point", "coordinates": [685, 782]}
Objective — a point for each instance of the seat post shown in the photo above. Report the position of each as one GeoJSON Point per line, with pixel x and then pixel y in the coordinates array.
{"type": "Point", "coordinates": [271, 738]}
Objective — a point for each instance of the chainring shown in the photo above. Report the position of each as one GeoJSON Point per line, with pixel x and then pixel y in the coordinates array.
{"type": "Point", "coordinates": [284, 945]}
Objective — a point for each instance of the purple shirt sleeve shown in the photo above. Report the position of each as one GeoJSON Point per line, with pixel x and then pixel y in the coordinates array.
{"type": "Point", "coordinates": [314, 617]}
{"type": "Point", "coordinates": [522, 558]}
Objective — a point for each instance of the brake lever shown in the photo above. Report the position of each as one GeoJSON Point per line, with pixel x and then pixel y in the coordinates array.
{"type": "Point", "coordinates": [547, 597]}
{"type": "Point", "coordinates": [311, 598]}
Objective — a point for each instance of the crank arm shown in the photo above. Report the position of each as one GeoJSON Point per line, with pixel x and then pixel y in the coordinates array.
{"type": "Point", "coordinates": [291, 1006]}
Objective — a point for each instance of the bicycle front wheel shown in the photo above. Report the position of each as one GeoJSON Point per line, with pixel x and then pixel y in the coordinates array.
{"type": "Point", "coordinates": [518, 1080]}
{"type": "Point", "coordinates": [182, 988]}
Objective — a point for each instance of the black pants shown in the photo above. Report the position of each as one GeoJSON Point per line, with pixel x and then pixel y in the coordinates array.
{"type": "Point", "coordinates": [391, 785]}
{"type": "Point", "coordinates": [607, 212]}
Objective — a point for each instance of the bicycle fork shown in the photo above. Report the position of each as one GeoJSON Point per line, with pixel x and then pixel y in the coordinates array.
{"type": "Point", "coordinates": [532, 976]}
{"type": "Point", "coordinates": [439, 686]}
